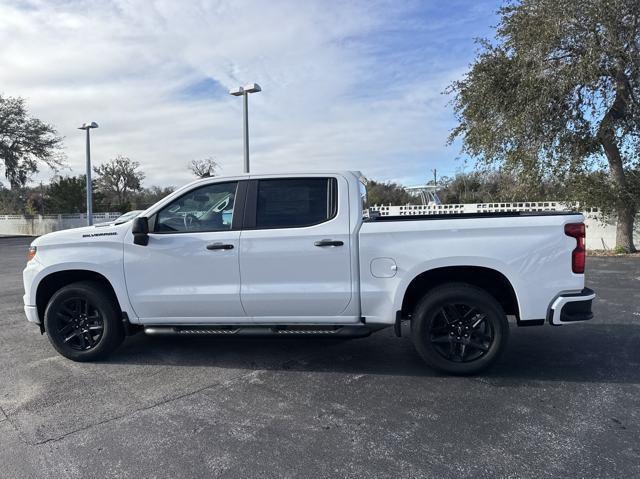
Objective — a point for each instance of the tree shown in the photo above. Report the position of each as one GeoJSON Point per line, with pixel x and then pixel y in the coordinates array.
{"type": "Point", "coordinates": [66, 194]}
{"type": "Point", "coordinates": [558, 93]}
{"type": "Point", "coordinates": [21, 200]}
{"type": "Point", "coordinates": [117, 179]}
{"type": "Point", "coordinates": [387, 193]}
{"type": "Point", "coordinates": [12, 202]}
{"type": "Point", "coordinates": [149, 196]}
{"type": "Point", "coordinates": [491, 186]}
{"type": "Point", "coordinates": [25, 141]}
{"type": "Point", "coordinates": [204, 168]}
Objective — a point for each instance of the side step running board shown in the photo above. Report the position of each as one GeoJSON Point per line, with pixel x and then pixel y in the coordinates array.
{"type": "Point", "coordinates": [313, 331]}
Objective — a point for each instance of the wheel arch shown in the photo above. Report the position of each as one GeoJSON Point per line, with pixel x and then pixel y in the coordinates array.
{"type": "Point", "coordinates": [488, 279]}
{"type": "Point", "coordinates": [53, 282]}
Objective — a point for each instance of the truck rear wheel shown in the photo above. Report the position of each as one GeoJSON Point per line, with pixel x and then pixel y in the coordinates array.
{"type": "Point", "coordinates": [82, 322]}
{"type": "Point", "coordinates": [459, 328]}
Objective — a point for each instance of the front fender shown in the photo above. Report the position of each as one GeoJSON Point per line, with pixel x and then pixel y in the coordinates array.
{"type": "Point", "coordinates": [102, 257]}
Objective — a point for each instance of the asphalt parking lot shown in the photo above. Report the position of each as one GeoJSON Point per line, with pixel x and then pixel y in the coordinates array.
{"type": "Point", "coordinates": [562, 402]}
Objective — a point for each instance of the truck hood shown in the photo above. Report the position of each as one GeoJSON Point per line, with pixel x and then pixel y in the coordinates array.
{"type": "Point", "coordinates": [107, 231]}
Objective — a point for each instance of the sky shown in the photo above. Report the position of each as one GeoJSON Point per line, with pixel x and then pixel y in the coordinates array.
{"type": "Point", "coordinates": [346, 84]}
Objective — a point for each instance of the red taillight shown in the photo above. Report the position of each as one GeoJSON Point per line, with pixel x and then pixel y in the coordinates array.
{"type": "Point", "coordinates": [579, 254]}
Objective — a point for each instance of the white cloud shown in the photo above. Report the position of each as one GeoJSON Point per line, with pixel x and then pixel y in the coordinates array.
{"type": "Point", "coordinates": [336, 93]}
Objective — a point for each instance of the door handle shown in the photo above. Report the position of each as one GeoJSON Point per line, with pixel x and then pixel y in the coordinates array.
{"type": "Point", "coordinates": [219, 246]}
{"type": "Point", "coordinates": [328, 242]}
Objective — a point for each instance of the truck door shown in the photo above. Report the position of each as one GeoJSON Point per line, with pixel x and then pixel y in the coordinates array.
{"type": "Point", "coordinates": [295, 250]}
{"type": "Point", "coordinates": [189, 271]}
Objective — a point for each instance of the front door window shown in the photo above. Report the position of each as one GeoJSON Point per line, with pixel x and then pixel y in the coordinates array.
{"type": "Point", "coordinates": [208, 208]}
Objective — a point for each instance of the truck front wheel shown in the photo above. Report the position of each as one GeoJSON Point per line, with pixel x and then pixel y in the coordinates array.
{"type": "Point", "coordinates": [459, 329]}
{"type": "Point", "coordinates": [82, 322]}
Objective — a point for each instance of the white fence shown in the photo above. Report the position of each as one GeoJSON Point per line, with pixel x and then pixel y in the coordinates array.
{"type": "Point", "coordinates": [600, 235]}
{"type": "Point", "coordinates": [41, 224]}
{"type": "Point", "coordinates": [406, 210]}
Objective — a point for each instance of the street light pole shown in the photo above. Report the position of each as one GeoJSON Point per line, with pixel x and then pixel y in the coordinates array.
{"type": "Point", "coordinates": [89, 184]}
{"type": "Point", "coordinates": [245, 128]}
{"type": "Point", "coordinates": [244, 92]}
{"type": "Point", "coordinates": [87, 127]}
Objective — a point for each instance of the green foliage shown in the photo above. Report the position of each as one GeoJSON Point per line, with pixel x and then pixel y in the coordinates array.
{"type": "Point", "coordinates": [32, 207]}
{"type": "Point", "coordinates": [21, 201]}
{"type": "Point", "coordinates": [24, 142]}
{"type": "Point", "coordinates": [379, 193]}
{"type": "Point", "coordinates": [149, 196]}
{"type": "Point", "coordinates": [620, 250]}
{"type": "Point", "coordinates": [558, 94]}
{"type": "Point", "coordinates": [117, 180]}
{"type": "Point", "coordinates": [597, 189]}
{"type": "Point", "coordinates": [12, 201]}
{"type": "Point", "coordinates": [490, 186]}
{"type": "Point", "coordinates": [67, 194]}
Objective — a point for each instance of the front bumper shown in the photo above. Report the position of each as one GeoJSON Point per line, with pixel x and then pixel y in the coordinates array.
{"type": "Point", "coordinates": [572, 308]}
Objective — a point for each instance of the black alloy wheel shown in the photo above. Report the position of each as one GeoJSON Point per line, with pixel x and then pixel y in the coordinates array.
{"type": "Point", "coordinates": [459, 328]}
{"type": "Point", "coordinates": [461, 333]}
{"type": "Point", "coordinates": [79, 324]}
{"type": "Point", "coordinates": [83, 321]}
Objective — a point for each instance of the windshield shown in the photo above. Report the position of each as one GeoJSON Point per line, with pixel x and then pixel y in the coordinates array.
{"type": "Point", "coordinates": [127, 217]}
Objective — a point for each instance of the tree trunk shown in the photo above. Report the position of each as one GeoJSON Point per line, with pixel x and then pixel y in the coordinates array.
{"type": "Point", "coordinates": [626, 206]}
{"type": "Point", "coordinates": [624, 229]}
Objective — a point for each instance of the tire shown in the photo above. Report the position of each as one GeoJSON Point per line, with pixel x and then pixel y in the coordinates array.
{"type": "Point", "coordinates": [82, 322]}
{"type": "Point", "coordinates": [459, 329]}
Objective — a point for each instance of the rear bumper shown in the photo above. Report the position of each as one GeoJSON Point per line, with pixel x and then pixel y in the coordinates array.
{"type": "Point", "coordinates": [572, 308]}
{"type": "Point", "coordinates": [32, 313]}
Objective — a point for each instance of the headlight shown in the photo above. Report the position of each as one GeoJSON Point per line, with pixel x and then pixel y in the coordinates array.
{"type": "Point", "coordinates": [32, 252]}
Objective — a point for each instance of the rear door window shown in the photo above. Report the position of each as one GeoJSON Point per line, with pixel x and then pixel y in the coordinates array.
{"type": "Point", "coordinates": [295, 202]}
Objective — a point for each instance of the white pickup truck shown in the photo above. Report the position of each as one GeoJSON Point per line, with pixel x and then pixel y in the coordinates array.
{"type": "Point", "coordinates": [292, 254]}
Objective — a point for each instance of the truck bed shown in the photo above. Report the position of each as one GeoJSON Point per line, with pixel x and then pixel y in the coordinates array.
{"type": "Point", "coordinates": [531, 249]}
